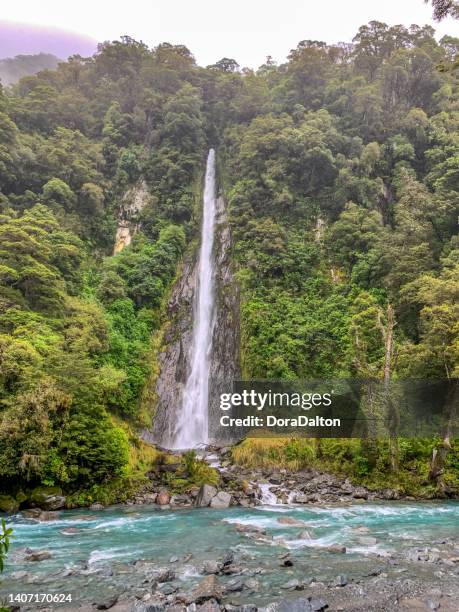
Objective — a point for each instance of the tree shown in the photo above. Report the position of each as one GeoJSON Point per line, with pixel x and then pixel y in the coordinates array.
{"type": "Point", "coordinates": [5, 535]}
{"type": "Point", "coordinates": [445, 8]}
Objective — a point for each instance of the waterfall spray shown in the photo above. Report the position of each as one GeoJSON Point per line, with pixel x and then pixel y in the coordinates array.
{"type": "Point", "coordinates": [192, 420]}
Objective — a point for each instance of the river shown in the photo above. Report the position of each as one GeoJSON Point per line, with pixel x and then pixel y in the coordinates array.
{"type": "Point", "coordinates": [95, 555]}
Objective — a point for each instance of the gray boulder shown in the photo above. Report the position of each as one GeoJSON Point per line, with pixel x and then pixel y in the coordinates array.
{"type": "Point", "coordinates": [360, 493]}
{"type": "Point", "coordinates": [205, 495]}
{"type": "Point", "coordinates": [221, 500]}
{"type": "Point", "coordinates": [38, 555]}
{"type": "Point", "coordinates": [48, 498]}
{"type": "Point", "coordinates": [336, 549]}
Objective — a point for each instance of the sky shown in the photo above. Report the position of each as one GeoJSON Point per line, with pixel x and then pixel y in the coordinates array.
{"type": "Point", "coordinates": [246, 30]}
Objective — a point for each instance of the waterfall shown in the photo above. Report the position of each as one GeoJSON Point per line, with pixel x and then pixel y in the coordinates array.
{"type": "Point", "coordinates": [191, 427]}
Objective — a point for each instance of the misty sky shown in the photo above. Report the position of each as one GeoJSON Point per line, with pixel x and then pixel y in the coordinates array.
{"type": "Point", "coordinates": [247, 30]}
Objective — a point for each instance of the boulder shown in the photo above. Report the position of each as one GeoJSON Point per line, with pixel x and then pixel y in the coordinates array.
{"type": "Point", "coordinates": [389, 494]}
{"type": "Point", "coordinates": [205, 495]}
{"type": "Point", "coordinates": [303, 604]}
{"type": "Point", "coordinates": [97, 506]}
{"type": "Point", "coordinates": [211, 567]}
{"type": "Point", "coordinates": [48, 515]}
{"type": "Point", "coordinates": [48, 498]}
{"type": "Point", "coordinates": [301, 498]}
{"type": "Point", "coordinates": [360, 493]}
{"type": "Point", "coordinates": [38, 555]}
{"type": "Point", "coordinates": [208, 606]}
{"type": "Point", "coordinates": [108, 603]}
{"type": "Point", "coordinates": [163, 498]}
{"type": "Point", "coordinates": [252, 585]}
{"type": "Point", "coordinates": [336, 549]}
{"type": "Point", "coordinates": [208, 588]}
{"type": "Point", "coordinates": [165, 575]}
{"type": "Point", "coordinates": [288, 520]}
{"type": "Point", "coordinates": [340, 581]}
{"type": "Point", "coordinates": [228, 558]}
{"type": "Point", "coordinates": [234, 586]}
{"type": "Point", "coordinates": [8, 504]}
{"type": "Point", "coordinates": [69, 531]}
{"type": "Point", "coordinates": [32, 513]}
{"type": "Point", "coordinates": [141, 606]}
{"type": "Point", "coordinates": [221, 500]}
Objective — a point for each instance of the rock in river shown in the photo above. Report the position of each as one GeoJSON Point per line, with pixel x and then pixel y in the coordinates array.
{"type": "Point", "coordinates": [221, 500]}
{"type": "Point", "coordinates": [337, 549]}
{"type": "Point", "coordinates": [38, 555]}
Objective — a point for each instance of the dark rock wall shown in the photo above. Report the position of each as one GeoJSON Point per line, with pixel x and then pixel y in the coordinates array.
{"type": "Point", "coordinates": [174, 356]}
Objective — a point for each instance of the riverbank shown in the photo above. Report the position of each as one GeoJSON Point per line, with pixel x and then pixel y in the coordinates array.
{"type": "Point", "coordinates": [248, 481]}
{"type": "Point", "coordinates": [255, 472]}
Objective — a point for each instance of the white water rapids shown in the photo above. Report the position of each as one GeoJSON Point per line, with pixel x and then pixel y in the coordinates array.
{"type": "Point", "coordinates": [191, 428]}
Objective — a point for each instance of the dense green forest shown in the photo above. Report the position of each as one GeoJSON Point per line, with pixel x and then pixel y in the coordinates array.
{"type": "Point", "coordinates": [341, 172]}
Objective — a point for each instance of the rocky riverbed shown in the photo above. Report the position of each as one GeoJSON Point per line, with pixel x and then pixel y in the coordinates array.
{"type": "Point", "coordinates": [262, 540]}
{"type": "Point", "coordinates": [372, 556]}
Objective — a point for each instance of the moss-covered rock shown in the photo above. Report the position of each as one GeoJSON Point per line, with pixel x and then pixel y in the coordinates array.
{"type": "Point", "coordinates": [48, 498]}
{"type": "Point", "coordinates": [8, 504]}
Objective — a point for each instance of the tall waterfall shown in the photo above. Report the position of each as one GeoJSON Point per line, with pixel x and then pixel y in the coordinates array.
{"type": "Point", "coordinates": [192, 420]}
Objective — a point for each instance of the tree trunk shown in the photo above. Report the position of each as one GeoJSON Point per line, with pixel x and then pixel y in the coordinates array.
{"type": "Point", "coordinates": [369, 445]}
{"type": "Point", "coordinates": [392, 411]}
{"type": "Point", "coordinates": [440, 452]}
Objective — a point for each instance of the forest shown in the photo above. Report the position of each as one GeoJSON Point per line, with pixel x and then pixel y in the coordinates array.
{"type": "Point", "coordinates": [340, 168]}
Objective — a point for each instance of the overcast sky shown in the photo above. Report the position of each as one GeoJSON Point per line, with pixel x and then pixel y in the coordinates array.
{"type": "Point", "coordinates": [247, 30]}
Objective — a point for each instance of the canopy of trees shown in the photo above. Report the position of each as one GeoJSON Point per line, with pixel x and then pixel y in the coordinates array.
{"type": "Point", "coordinates": [341, 169]}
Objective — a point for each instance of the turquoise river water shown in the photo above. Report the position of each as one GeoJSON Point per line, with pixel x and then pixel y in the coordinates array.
{"type": "Point", "coordinates": [94, 554]}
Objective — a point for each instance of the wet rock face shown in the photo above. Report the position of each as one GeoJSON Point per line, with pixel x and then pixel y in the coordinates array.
{"type": "Point", "coordinates": [225, 363]}
{"type": "Point", "coordinates": [174, 359]}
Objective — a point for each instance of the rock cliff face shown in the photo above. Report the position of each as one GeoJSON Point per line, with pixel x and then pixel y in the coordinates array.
{"type": "Point", "coordinates": [132, 203]}
{"type": "Point", "coordinates": [174, 357]}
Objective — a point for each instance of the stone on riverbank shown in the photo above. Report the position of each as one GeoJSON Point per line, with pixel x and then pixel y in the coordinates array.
{"type": "Point", "coordinates": [221, 500]}
{"type": "Point", "coordinates": [8, 504]}
{"type": "Point", "coordinates": [48, 498]}
{"type": "Point", "coordinates": [163, 498]}
{"type": "Point", "coordinates": [208, 588]}
{"type": "Point", "coordinates": [205, 495]}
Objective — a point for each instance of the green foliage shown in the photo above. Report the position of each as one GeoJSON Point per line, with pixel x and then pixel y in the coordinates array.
{"type": "Point", "coordinates": [341, 173]}
{"type": "Point", "coordinates": [194, 473]}
{"type": "Point", "coordinates": [5, 535]}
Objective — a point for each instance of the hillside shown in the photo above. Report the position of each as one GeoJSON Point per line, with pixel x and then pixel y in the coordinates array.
{"type": "Point", "coordinates": [14, 68]}
{"type": "Point", "coordinates": [341, 173]}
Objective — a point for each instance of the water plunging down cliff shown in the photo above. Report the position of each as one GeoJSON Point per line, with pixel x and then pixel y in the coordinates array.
{"type": "Point", "coordinates": [201, 343]}
{"type": "Point", "coordinates": [191, 425]}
